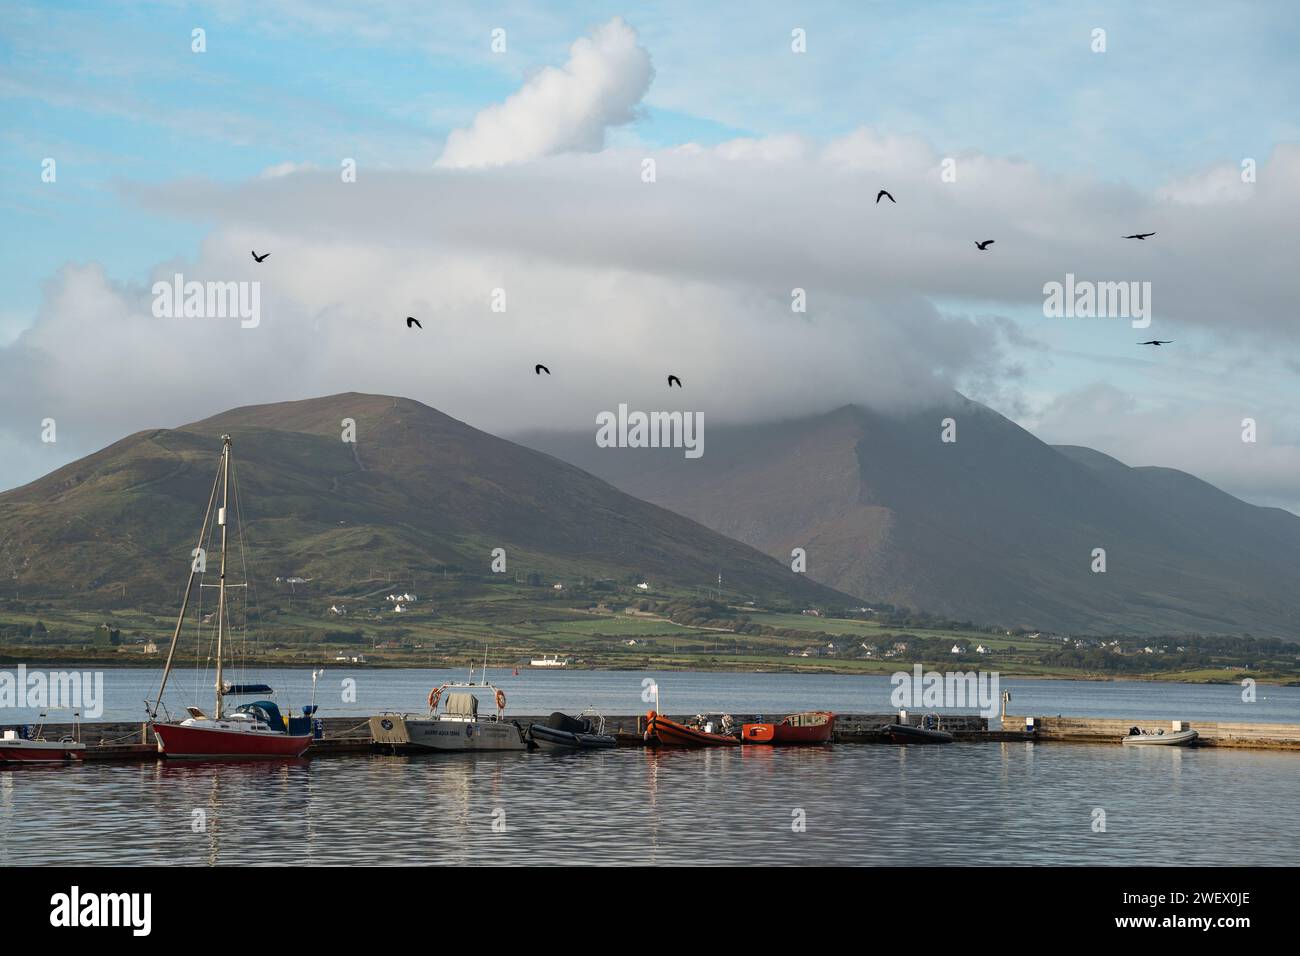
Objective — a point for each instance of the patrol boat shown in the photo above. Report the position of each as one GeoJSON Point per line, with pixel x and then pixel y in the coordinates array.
{"type": "Point", "coordinates": [457, 726]}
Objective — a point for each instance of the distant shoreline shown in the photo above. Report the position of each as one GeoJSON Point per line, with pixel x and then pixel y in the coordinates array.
{"type": "Point", "coordinates": [8, 661]}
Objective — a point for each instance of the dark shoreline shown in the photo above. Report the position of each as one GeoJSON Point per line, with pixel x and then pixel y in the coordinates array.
{"type": "Point", "coordinates": [8, 661]}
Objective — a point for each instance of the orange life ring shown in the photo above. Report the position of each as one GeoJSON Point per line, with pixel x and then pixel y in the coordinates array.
{"type": "Point", "coordinates": [434, 695]}
{"type": "Point", "coordinates": [501, 699]}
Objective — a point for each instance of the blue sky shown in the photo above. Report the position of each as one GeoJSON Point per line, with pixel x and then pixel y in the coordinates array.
{"type": "Point", "coordinates": [114, 94]}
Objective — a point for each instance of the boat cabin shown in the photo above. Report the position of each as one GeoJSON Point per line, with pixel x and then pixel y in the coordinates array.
{"type": "Point", "coordinates": [460, 701]}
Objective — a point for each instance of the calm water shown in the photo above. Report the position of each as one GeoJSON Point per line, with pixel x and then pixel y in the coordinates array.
{"type": "Point", "coordinates": [880, 805]}
{"type": "Point", "coordinates": [866, 804]}
{"type": "Point", "coordinates": [620, 692]}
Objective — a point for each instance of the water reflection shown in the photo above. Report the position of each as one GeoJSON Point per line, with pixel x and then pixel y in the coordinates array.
{"type": "Point", "coordinates": [1016, 803]}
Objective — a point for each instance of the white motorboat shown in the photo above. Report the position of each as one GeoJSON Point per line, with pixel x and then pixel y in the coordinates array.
{"type": "Point", "coordinates": [1174, 738]}
{"type": "Point", "coordinates": [458, 726]}
{"type": "Point", "coordinates": [15, 749]}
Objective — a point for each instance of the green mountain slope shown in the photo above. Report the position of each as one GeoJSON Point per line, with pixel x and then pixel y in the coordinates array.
{"type": "Point", "coordinates": [417, 490]}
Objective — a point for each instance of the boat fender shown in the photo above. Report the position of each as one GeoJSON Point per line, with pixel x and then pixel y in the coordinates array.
{"type": "Point", "coordinates": [501, 699]}
{"type": "Point", "coordinates": [434, 695]}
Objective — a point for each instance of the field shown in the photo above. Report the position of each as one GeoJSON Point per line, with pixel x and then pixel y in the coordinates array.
{"type": "Point", "coordinates": [453, 621]}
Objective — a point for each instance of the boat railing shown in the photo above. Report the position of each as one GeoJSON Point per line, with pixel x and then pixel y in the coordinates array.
{"type": "Point", "coordinates": [595, 719]}
{"type": "Point", "coordinates": [37, 732]}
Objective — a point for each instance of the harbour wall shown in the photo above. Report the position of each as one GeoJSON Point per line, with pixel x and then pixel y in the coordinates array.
{"type": "Point", "coordinates": [1113, 729]}
{"type": "Point", "coordinates": [352, 734]}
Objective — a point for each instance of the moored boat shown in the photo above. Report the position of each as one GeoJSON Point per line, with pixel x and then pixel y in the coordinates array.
{"type": "Point", "coordinates": [668, 733]}
{"type": "Point", "coordinates": [553, 660]}
{"type": "Point", "coordinates": [908, 734]}
{"type": "Point", "coordinates": [457, 727]}
{"type": "Point", "coordinates": [16, 749]}
{"type": "Point", "coordinates": [1176, 738]}
{"type": "Point", "coordinates": [811, 727]}
{"type": "Point", "coordinates": [250, 730]}
{"type": "Point", "coordinates": [562, 732]}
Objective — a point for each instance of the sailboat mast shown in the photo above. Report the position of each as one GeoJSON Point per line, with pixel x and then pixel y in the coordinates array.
{"type": "Point", "coordinates": [185, 603]}
{"type": "Point", "coordinates": [221, 588]}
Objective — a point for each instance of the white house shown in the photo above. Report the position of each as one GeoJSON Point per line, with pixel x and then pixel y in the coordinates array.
{"type": "Point", "coordinates": [643, 586]}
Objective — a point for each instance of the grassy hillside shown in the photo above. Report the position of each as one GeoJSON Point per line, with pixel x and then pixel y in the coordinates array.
{"type": "Point", "coordinates": [453, 621]}
{"type": "Point", "coordinates": [417, 494]}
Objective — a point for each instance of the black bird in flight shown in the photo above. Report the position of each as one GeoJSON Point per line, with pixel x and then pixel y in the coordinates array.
{"type": "Point", "coordinates": [539, 369]}
{"type": "Point", "coordinates": [674, 378]}
{"type": "Point", "coordinates": [983, 246]}
{"type": "Point", "coordinates": [1140, 235]}
{"type": "Point", "coordinates": [1158, 342]}
{"type": "Point", "coordinates": [882, 193]}
{"type": "Point", "coordinates": [256, 257]}
{"type": "Point", "coordinates": [413, 321]}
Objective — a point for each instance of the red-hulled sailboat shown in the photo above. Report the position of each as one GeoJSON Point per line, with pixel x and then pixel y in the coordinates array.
{"type": "Point", "coordinates": [250, 730]}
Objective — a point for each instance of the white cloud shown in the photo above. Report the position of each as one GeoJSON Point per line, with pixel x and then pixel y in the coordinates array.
{"type": "Point", "coordinates": [1203, 438]}
{"type": "Point", "coordinates": [286, 169]}
{"type": "Point", "coordinates": [561, 110]}
{"type": "Point", "coordinates": [613, 283]}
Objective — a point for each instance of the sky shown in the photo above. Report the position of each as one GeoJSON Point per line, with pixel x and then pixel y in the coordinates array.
{"type": "Point", "coordinates": [500, 155]}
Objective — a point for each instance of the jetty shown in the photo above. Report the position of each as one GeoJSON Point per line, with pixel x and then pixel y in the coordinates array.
{"type": "Point", "coordinates": [1112, 729]}
{"type": "Point", "coordinates": [341, 736]}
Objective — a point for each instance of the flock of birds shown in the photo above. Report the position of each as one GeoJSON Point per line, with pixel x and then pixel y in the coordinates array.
{"type": "Point", "coordinates": [982, 245]}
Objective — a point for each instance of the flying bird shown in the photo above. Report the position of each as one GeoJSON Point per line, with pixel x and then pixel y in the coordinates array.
{"type": "Point", "coordinates": [983, 246]}
{"type": "Point", "coordinates": [413, 321]}
{"type": "Point", "coordinates": [539, 369]}
{"type": "Point", "coordinates": [884, 192]}
{"type": "Point", "coordinates": [1158, 342]}
{"type": "Point", "coordinates": [256, 257]}
{"type": "Point", "coordinates": [674, 378]}
{"type": "Point", "coordinates": [1140, 235]}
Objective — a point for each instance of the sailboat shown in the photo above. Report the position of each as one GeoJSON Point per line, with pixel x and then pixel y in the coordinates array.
{"type": "Point", "coordinates": [250, 730]}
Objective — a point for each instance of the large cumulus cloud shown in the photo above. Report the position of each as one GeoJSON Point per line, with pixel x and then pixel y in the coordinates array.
{"type": "Point", "coordinates": [613, 282]}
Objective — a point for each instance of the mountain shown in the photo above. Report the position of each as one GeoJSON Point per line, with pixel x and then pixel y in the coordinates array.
{"type": "Point", "coordinates": [417, 490]}
{"type": "Point", "coordinates": [996, 527]}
